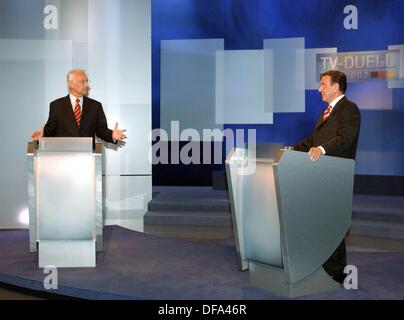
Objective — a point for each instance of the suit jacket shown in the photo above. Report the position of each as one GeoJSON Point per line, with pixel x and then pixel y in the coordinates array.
{"type": "Point", "coordinates": [339, 134]}
{"type": "Point", "coordinates": [62, 123]}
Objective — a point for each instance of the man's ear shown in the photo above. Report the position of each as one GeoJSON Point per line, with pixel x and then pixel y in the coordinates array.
{"type": "Point", "coordinates": [336, 86]}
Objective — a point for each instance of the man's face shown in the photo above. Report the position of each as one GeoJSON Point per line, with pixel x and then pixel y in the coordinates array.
{"type": "Point", "coordinates": [329, 91]}
{"type": "Point", "coordinates": [78, 84]}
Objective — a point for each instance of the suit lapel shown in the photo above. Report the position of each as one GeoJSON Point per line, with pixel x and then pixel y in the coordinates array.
{"type": "Point", "coordinates": [84, 110]}
{"type": "Point", "coordinates": [319, 122]}
{"type": "Point", "coordinates": [336, 108]}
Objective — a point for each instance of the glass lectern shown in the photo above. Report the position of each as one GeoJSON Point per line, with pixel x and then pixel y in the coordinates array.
{"type": "Point", "coordinates": [65, 201]}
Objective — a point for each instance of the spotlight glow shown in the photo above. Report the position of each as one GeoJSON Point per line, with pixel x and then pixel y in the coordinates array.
{"type": "Point", "coordinates": [24, 216]}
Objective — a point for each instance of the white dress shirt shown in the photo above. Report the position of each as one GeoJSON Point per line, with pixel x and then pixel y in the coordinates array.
{"type": "Point", "coordinates": [73, 101]}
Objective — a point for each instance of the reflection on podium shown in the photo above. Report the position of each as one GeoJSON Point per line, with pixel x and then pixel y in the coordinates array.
{"type": "Point", "coordinates": [289, 215]}
{"type": "Point", "coordinates": [65, 201]}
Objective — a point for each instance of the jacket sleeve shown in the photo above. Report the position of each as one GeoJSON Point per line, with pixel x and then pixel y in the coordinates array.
{"type": "Point", "coordinates": [348, 131]}
{"type": "Point", "coordinates": [304, 145]}
{"type": "Point", "coordinates": [51, 125]}
{"type": "Point", "coordinates": [102, 130]}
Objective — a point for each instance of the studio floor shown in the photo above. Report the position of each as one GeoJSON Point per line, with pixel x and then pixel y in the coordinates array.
{"type": "Point", "coordinates": [136, 265]}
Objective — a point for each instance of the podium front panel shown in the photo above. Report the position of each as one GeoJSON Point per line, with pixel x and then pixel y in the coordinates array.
{"type": "Point", "coordinates": [315, 207]}
{"type": "Point", "coordinates": [261, 219]}
{"type": "Point", "coordinates": [234, 167]}
{"type": "Point", "coordinates": [65, 195]}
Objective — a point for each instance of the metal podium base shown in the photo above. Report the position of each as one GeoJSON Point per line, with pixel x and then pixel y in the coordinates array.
{"type": "Point", "coordinates": [275, 280]}
{"type": "Point", "coordinates": [66, 253]}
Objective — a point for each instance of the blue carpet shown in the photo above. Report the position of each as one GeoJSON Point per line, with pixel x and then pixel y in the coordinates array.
{"type": "Point", "coordinates": [134, 265]}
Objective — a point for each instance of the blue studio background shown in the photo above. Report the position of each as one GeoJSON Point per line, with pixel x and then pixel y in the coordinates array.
{"type": "Point", "coordinates": [243, 24]}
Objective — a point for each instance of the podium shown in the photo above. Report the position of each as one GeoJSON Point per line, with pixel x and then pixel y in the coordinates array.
{"type": "Point", "coordinates": [65, 201]}
{"type": "Point", "coordinates": [289, 215]}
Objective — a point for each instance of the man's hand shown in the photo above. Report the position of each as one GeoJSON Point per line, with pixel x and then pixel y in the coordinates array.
{"type": "Point", "coordinates": [38, 134]}
{"type": "Point", "coordinates": [118, 134]}
{"type": "Point", "coordinates": [315, 154]}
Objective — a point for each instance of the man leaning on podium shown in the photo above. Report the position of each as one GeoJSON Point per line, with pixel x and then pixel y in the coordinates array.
{"type": "Point", "coordinates": [335, 134]}
{"type": "Point", "coordinates": [76, 115]}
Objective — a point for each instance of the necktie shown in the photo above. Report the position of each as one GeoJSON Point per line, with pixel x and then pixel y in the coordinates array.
{"type": "Point", "coordinates": [326, 113]}
{"type": "Point", "coordinates": [77, 112]}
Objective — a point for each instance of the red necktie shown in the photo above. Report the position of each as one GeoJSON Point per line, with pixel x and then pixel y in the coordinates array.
{"type": "Point", "coordinates": [77, 112]}
{"type": "Point", "coordinates": [326, 113]}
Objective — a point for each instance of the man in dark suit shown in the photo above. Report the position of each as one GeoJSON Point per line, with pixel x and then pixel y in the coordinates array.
{"type": "Point", "coordinates": [76, 115]}
{"type": "Point", "coordinates": [335, 134]}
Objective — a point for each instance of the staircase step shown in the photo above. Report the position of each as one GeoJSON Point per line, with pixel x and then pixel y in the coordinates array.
{"type": "Point", "coordinates": [380, 229]}
{"type": "Point", "coordinates": [376, 215]}
{"type": "Point", "coordinates": [199, 206]}
{"type": "Point", "coordinates": [200, 199]}
{"type": "Point", "coordinates": [194, 218]}
{"type": "Point", "coordinates": [378, 204]}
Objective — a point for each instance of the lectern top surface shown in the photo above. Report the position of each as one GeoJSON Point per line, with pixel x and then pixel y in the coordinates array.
{"type": "Point", "coordinates": [265, 150]}
{"type": "Point", "coordinates": [66, 144]}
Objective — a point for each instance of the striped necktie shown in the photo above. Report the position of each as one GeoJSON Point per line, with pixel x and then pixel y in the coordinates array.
{"type": "Point", "coordinates": [326, 113]}
{"type": "Point", "coordinates": [77, 112]}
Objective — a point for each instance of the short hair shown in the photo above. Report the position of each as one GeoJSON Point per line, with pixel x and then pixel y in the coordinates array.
{"type": "Point", "coordinates": [337, 77]}
{"type": "Point", "coordinates": [70, 73]}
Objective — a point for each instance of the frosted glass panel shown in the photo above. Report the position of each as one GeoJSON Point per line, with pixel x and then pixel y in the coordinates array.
{"type": "Point", "coordinates": [188, 71]}
{"type": "Point", "coordinates": [399, 83]}
{"type": "Point", "coordinates": [120, 75]}
{"type": "Point", "coordinates": [66, 193]}
{"type": "Point", "coordinates": [32, 73]}
{"type": "Point", "coordinates": [240, 87]}
{"type": "Point", "coordinates": [284, 75]}
{"type": "Point", "coordinates": [135, 162]}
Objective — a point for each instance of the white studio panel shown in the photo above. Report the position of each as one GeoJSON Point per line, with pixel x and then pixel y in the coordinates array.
{"type": "Point", "coordinates": [132, 158]}
{"type": "Point", "coordinates": [31, 73]}
{"type": "Point", "coordinates": [104, 51]}
{"type": "Point", "coordinates": [135, 55]}
{"type": "Point", "coordinates": [120, 76]}
{"type": "Point", "coordinates": [120, 51]}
